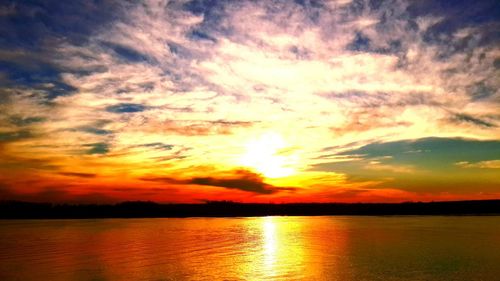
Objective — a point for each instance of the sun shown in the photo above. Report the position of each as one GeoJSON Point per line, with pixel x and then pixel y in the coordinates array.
{"type": "Point", "coordinates": [265, 155]}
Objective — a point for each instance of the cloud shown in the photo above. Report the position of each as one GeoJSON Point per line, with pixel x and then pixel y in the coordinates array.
{"type": "Point", "coordinates": [92, 130]}
{"type": "Point", "coordinates": [454, 17]}
{"type": "Point", "coordinates": [199, 35]}
{"type": "Point", "coordinates": [480, 91]}
{"type": "Point", "coordinates": [127, 54]}
{"type": "Point", "coordinates": [15, 136]}
{"type": "Point", "coordinates": [56, 195]}
{"type": "Point", "coordinates": [97, 148]}
{"type": "Point", "coordinates": [126, 108]}
{"type": "Point", "coordinates": [461, 117]}
{"type": "Point", "coordinates": [491, 164]}
{"type": "Point", "coordinates": [239, 179]}
{"type": "Point", "coordinates": [25, 121]}
{"type": "Point", "coordinates": [158, 145]}
{"type": "Point", "coordinates": [79, 175]}
{"type": "Point", "coordinates": [26, 70]}
{"type": "Point", "coordinates": [201, 128]}
{"type": "Point", "coordinates": [367, 120]}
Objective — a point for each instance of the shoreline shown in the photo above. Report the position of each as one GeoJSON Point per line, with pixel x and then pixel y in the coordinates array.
{"type": "Point", "coordinates": [141, 209]}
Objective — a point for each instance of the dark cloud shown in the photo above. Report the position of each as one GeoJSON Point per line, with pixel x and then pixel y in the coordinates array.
{"type": "Point", "coordinates": [362, 43]}
{"type": "Point", "coordinates": [79, 175]}
{"type": "Point", "coordinates": [176, 155]}
{"type": "Point", "coordinates": [126, 53]}
{"type": "Point", "coordinates": [310, 3]}
{"type": "Point", "coordinates": [213, 24]}
{"type": "Point", "coordinates": [136, 87]}
{"type": "Point", "coordinates": [209, 8]}
{"type": "Point", "coordinates": [378, 99]}
{"type": "Point", "coordinates": [33, 30]}
{"type": "Point", "coordinates": [92, 130]}
{"type": "Point", "coordinates": [27, 72]}
{"type": "Point", "coordinates": [55, 194]}
{"type": "Point", "coordinates": [97, 148]}
{"type": "Point", "coordinates": [245, 183]}
{"type": "Point", "coordinates": [300, 53]}
{"type": "Point", "coordinates": [34, 21]}
{"type": "Point", "coordinates": [359, 43]}
{"type": "Point", "coordinates": [239, 179]}
{"type": "Point", "coordinates": [177, 49]}
{"type": "Point", "coordinates": [481, 91]}
{"type": "Point", "coordinates": [456, 15]}
{"type": "Point", "coordinates": [453, 16]}
{"type": "Point", "coordinates": [25, 121]}
{"type": "Point", "coordinates": [158, 145]}
{"type": "Point", "coordinates": [126, 108]}
{"type": "Point", "coordinates": [462, 117]}
{"type": "Point", "coordinates": [16, 162]}
{"type": "Point", "coordinates": [496, 63]}
{"type": "Point", "coordinates": [15, 136]}
{"type": "Point", "coordinates": [200, 35]}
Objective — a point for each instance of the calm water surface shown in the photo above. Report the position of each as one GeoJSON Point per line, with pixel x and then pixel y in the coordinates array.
{"type": "Point", "coordinates": [264, 248]}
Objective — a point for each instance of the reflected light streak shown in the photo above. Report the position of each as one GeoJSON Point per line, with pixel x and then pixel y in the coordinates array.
{"type": "Point", "coordinates": [270, 242]}
{"type": "Point", "coordinates": [282, 248]}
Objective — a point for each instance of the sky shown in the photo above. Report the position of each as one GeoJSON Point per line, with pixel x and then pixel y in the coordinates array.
{"type": "Point", "coordinates": [249, 101]}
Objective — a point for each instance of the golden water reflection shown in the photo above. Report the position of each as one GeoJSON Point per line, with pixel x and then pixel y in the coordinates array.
{"type": "Point", "coordinates": [286, 249]}
{"type": "Point", "coordinates": [269, 242]}
{"type": "Point", "coordinates": [262, 248]}
{"type": "Point", "coordinates": [282, 248]}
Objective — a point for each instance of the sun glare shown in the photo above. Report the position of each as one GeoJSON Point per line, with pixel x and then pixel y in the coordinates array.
{"type": "Point", "coordinates": [265, 155]}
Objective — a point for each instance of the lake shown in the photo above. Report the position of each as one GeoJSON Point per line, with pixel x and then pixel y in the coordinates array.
{"type": "Point", "coordinates": [257, 248]}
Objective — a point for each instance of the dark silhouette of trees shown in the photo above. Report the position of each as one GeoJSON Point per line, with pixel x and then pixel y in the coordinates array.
{"type": "Point", "coordinates": [142, 209]}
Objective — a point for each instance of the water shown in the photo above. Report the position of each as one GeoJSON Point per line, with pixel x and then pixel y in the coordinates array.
{"type": "Point", "coordinates": [264, 248]}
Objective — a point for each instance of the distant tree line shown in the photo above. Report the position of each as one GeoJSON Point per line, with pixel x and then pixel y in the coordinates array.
{"type": "Point", "coordinates": [145, 209]}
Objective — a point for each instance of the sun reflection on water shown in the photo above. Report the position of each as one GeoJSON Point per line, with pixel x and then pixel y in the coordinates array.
{"type": "Point", "coordinates": [270, 242]}
{"type": "Point", "coordinates": [260, 248]}
{"type": "Point", "coordinates": [282, 249]}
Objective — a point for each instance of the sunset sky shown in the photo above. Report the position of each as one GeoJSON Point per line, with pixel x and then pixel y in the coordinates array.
{"type": "Point", "coordinates": [250, 101]}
